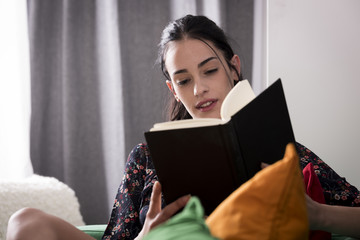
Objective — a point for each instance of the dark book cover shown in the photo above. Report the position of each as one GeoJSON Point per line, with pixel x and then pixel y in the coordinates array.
{"type": "Point", "coordinates": [211, 162]}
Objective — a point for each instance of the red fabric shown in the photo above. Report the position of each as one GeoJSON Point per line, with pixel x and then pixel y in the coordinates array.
{"type": "Point", "coordinates": [314, 190]}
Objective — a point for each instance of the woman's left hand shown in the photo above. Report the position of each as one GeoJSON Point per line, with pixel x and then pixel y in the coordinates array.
{"type": "Point", "coordinates": [155, 214]}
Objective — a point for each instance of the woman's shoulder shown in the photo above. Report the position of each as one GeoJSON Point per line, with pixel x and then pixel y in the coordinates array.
{"type": "Point", "coordinates": [140, 154]}
{"type": "Point", "coordinates": [140, 148]}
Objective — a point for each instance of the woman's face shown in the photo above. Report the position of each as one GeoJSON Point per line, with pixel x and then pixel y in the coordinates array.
{"type": "Point", "coordinates": [198, 78]}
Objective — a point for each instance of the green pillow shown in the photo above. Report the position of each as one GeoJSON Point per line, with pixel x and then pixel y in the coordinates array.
{"type": "Point", "coordinates": [96, 231]}
{"type": "Point", "coordinates": [188, 224]}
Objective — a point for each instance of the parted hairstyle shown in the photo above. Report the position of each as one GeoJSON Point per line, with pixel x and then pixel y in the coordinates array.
{"type": "Point", "coordinates": [195, 27]}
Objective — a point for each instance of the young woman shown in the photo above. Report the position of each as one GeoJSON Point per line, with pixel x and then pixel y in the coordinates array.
{"type": "Point", "coordinates": [200, 69]}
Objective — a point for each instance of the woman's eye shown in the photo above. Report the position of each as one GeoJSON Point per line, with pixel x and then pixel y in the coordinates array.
{"type": "Point", "coordinates": [211, 71]}
{"type": "Point", "coordinates": [182, 82]}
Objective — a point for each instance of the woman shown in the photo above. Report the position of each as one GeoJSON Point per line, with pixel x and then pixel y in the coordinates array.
{"type": "Point", "coordinates": [200, 68]}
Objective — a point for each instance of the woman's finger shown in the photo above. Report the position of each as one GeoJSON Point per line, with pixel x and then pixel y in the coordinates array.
{"type": "Point", "coordinates": [171, 209]}
{"type": "Point", "coordinates": [264, 165]}
{"type": "Point", "coordinates": [155, 200]}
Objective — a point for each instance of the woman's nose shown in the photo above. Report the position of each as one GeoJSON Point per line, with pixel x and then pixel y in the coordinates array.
{"type": "Point", "coordinates": [200, 87]}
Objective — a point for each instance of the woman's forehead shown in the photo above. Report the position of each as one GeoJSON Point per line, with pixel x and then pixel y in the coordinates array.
{"type": "Point", "coordinates": [189, 51]}
{"type": "Point", "coordinates": [204, 46]}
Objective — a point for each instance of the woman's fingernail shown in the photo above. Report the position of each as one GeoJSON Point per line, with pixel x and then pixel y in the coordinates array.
{"type": "Point", "coordinates": [186, 198]}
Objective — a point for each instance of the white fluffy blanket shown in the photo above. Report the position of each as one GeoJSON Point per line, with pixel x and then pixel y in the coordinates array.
{"type": "Point", "coordinates": [45, 193]}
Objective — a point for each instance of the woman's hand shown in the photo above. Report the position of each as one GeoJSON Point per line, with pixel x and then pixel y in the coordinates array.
{"type": "Point", "coordinates": [155, 215]}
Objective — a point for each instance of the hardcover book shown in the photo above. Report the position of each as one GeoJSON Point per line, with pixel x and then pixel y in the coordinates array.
{"type": "Point", "coordinates": [210, 158]}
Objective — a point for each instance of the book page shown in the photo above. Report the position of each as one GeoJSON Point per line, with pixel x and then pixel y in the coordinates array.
{"type": "Point", "coordinates": [187, 123]}
{"type": "Point", "coordinates": [237, 98]}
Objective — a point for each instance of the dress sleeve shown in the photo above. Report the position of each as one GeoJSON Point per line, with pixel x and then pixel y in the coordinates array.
{"type": "Point", "coordinates": [133, 195]}
{"type": "Point", "coordinates": [337, 191]}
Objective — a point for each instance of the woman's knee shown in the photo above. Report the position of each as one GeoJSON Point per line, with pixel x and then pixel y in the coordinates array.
{"type": "Point", "coordinates": [25, 215]}
{"type": "Point", "coordinates": [26, 222]}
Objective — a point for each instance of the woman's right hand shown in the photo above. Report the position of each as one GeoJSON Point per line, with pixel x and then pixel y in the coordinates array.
{"type": "Point", "coordinates": [155, 215]}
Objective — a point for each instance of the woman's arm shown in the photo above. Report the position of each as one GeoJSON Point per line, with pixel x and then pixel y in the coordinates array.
{"type": "Point", "coordinates": [134, 192]}
{"type": "Point", "coordinates": [336, 219]}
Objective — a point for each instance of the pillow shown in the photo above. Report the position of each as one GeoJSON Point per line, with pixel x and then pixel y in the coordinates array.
{"type": "Point", "coordinates": [188, 224]}
{"type": "Point", "coordinates": [271, 205]}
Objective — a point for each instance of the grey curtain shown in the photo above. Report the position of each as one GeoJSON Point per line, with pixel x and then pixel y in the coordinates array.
{"type": "Point", "coordinates": [96, 88]}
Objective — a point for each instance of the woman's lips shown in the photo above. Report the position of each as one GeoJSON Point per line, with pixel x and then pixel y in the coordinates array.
{"type": "Point", "coordinates": [207, 105]}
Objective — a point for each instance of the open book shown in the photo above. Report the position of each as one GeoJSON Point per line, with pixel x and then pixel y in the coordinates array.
{"type": "Point", "coordinates": [210, 158]}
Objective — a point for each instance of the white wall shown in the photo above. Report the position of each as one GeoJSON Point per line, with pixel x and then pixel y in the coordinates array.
{"type": "Point", "coordinates": [314, 46]}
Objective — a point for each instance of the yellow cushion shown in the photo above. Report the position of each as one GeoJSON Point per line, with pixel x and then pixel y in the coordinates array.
{"type": "Point", "coordinates": [271, 205]}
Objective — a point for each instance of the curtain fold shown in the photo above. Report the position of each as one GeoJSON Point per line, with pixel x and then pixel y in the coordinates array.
{"type": "Point", "coordinates": [96, 88]}
{"type": "Point", "coordinates": [67, 119]}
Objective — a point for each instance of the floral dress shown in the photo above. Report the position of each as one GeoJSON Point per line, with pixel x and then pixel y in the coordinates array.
{"type": "Point", "coordinates": [132, 200]}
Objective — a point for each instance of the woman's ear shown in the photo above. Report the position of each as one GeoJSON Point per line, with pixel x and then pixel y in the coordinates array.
{"type": "Point", "coordinates": [235, 61]}
{"type": "Point", "coordinates": [170, 86]}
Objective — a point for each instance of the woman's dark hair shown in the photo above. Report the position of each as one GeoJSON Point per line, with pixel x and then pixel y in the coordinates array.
{"type": "Point", "coordinates": [195, 27]}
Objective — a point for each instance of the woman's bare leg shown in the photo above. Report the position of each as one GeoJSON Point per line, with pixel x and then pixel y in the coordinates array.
{"type": "Point", "coordinates": [30, 223]}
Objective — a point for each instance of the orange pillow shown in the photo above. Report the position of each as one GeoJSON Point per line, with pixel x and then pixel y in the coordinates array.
{"type": "Point", "coordinates": [271, 205]}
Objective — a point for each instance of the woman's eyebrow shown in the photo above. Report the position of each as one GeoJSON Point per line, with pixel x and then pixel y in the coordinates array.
{"type": "Point", "coordinates": [199, 65]}
{"type": "Point", "coordinates": [205, 61]}
{"type": "Point", "coordinates": [179, 71]}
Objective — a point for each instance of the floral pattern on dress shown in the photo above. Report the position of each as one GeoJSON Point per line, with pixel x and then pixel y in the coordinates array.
{"type": "Point", "coordinates": [337, 191]}
{"type": "Point", "coordinates": [133, 197]}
